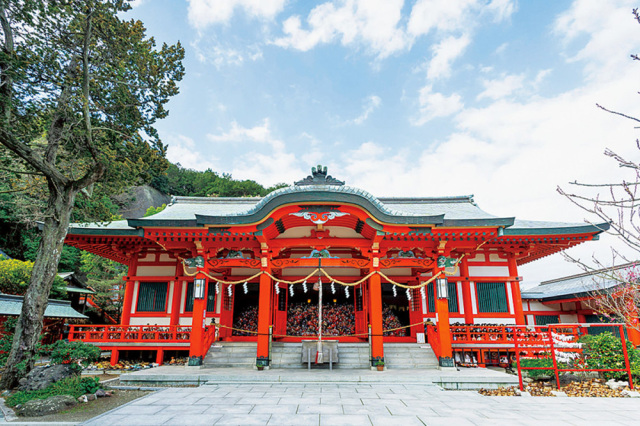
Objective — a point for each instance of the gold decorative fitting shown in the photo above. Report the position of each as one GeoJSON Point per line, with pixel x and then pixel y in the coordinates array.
{"type": "Point", "coordinates": [263, 262]}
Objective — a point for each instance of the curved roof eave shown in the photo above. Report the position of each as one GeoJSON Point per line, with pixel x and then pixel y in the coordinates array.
{"type": "Point", "coordinates": [269, 204]}
{"type": "Point", "coordinates": [497, 221]}
{"type": "Point", "coordinates": [579, 229]}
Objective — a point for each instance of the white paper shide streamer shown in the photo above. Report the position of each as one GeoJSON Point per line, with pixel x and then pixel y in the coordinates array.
{"type": "Point", "coordinates": [244, 287]}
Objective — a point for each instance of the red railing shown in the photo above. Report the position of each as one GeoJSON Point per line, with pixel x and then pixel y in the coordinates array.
{"type": "Point", "coordinates": [559, 343]}
{"type": "Point", "coordinates": [130, 333]}
{"type": "Point", "coordinates": [209, 336]}
{"type": "Point", "coordinates": [434, 339]}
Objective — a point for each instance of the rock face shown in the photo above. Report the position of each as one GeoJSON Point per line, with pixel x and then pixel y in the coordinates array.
{"type": "Point", "coordinates": [42, 407]}
{"type": "Point", "coordinates": [135, 202]}
{"type": "Point", "coordinates": [41, 377]}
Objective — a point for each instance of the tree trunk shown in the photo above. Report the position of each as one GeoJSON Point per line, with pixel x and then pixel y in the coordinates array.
{"type": "Point", "coordinates": [27, 334]}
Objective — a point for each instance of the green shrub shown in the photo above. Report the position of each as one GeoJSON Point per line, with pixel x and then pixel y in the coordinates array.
{"type": "Point", "coordinates": [74, 386]}
{"type": "Point", "coordinates": [536, 362]}
{"type": "Point", "coordinates": [605, 351]}
{"type": "Point", "coordinates": [63, 352]}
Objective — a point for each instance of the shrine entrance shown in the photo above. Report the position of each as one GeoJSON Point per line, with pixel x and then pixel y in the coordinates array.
{"type": "Point", "coordinates": [296, 314]}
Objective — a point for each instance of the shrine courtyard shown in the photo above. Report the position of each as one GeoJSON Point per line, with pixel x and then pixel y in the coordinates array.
{"type": "Point", "coordinates": [361, 404]}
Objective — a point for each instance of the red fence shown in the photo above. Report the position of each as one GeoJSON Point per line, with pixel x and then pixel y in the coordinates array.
{"type": "Point", "coordinates": [559, 343]}
{"type": "Point", "coordinates": [130, 333]}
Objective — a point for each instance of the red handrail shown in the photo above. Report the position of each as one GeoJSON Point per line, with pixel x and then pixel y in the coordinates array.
{"type": "Point", "coordinates": [433, 339]}
{"type": "Point", "coordinates": [209, 336]}
{"type": "Point", "coordinates": [130, 333]}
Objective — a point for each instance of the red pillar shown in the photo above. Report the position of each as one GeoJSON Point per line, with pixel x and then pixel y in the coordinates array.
{"type": "Point", "coordinates": [115, 354]}
{"type": "Point", "coordinates": [264, 318]}
{"type": "Point", "coordinates": [125, 318]}
{"type": "Point", "coordinates": [515, 291]}
{"type": "Point", "coordinates": [175, 303]}
{"type": "Point", "coordinates": [444, 331]}
{"type": "Point", "coordinates": [375, 316]}
{"type": "Point", "coordinates": [466, 291]}
{"type": "Point", "coordinates": [127, 303]}
{"type": "Point", "coordinates": [197, 328]}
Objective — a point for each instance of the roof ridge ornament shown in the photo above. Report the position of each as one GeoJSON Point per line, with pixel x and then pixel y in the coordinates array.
{"type": "Point", "coordinates": [319, 176]}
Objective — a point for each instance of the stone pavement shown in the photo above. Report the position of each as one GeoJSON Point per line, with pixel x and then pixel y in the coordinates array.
{"type": "Point", "coordinates": [361, 404]}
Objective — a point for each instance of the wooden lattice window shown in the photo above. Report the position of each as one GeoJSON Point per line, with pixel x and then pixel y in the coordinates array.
{"type": "Point", "coordinates": [452, 297]}
{"type": "Point", "coordinates": [492, 297]}
{"type": "Point", "coordinates": [211, 297]}
{"type": "Point", "coordinates": [547, 319]}
{"type": "Point", "coordinates": [227, 300]}
{"type": "Point", "coordinates": [152, 297]}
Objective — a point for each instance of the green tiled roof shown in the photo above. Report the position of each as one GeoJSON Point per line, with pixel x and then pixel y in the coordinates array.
{"type": "Point", "coordinates": [12, 305]}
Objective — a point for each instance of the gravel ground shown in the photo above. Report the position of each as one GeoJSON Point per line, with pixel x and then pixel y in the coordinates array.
{"type": "Point", "coordinates": [86, 411]}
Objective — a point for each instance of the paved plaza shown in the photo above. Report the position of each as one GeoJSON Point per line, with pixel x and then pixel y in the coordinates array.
{"type": "Point", "coordinates": [361, 404]}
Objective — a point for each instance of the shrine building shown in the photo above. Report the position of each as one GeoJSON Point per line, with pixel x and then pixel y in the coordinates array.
{"type": "Point", "coordinates": [244, 269]}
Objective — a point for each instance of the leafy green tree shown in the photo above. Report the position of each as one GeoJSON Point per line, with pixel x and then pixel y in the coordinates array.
{"type": "Point", "coordinates": [104, 276]}
{"type": "Point", "coordinates": [80, 91]}
{"type": "Point", "coordinates": [16, 274]}
{"type": "Point", "coordinates": [153, 210]}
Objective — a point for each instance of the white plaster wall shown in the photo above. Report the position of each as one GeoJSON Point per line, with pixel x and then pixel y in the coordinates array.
{"type": "Point", "coordinates": [537, 306]}
{"type": "Point", "coordinates": [570, 318]}
{"type": "Point", "coordinates": [185, 320]}
{"type": "Point", "coordinates": [510, 298]}
{"type": "Point", "coordinates": [495, 257]}
{"type": "Point", "coordinates": [494, 321]}
{"type": "Point", "coordinates": [148, 271]}
{"type": "Point", "coordinates": [488, 271]}
{"type": "Point", "coordinates": [461, 306]}
{"type": "Point", "coordinates": [150, 320]}
{"type": "Point", "coordinates": [164, 257]}
{"type": "Point", "coordinates": [134, 302]}
{"type": "Point", "coordinates": [474, 305]}
{"type": "Point", "coordinates": [530, 320]}
{"type": "Point", "coordinates": [170, 301]}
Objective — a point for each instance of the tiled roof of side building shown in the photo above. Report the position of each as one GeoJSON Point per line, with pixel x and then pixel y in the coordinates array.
{"type": "Point", "coordinates": [579, 285]}
{"type": "Point", "coordinates": [12, 305]}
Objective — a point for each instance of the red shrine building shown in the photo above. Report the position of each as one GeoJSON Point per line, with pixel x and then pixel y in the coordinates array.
{"type": "Point", "coordinates": [250, 269]}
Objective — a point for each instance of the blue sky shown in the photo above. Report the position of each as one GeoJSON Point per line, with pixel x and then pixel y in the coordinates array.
{"type": "Point", "coordinates": [494, 98]}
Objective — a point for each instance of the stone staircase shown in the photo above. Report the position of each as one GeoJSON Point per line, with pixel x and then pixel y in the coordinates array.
{"type": "Point", "coordinates": [231, 355]}
{"type": "Point", "coordinates": [409, 356]}
{"type": "Point", "coordinates": [352, 356]}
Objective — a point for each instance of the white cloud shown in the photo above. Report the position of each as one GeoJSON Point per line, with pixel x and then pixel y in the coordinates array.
{"type": "Point", "coordinates": [444, 53]}
{"type": "Point", "coordinates": [203, 13]}
{"type": "Point", "coordinates": [501, 87]}
{"type": "Point", "coordinates": [433, 105]}
{"type": "Point", "coordinates": [370, 104]}
{"type": "Point", "coordinates": [448, 16]}
{"type": "Point", "coordinates": [260, 133]}
{"type": "Point", "coordinates": [372, 23]}
{"type": "Point", "coordinates": [208, 50]}
{"type": "Point", "coordinates": [610, 29]}
{"type": "Point", "coordinates": [182, 149]}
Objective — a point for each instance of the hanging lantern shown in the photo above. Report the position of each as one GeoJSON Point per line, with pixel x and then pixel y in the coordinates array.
{"type": "Point", "coordinates": [395, 291]}
{"type": "Point", "coordinates": [244, 287]}
{"type": "Point", "coordinates": [291, 290]}
{"type": "Point", "coordinates": [346, 292]}
{"type": "Point", "coordinates": [333, 287]}
{"type": "Point", "coordinates": [217, 288]}
{"type": "Point", "coordinates": [304, 286]}
{"type": "Point", "coordinates": [277, 285]}
{"type": "Point", "coordinates": [408, 294]}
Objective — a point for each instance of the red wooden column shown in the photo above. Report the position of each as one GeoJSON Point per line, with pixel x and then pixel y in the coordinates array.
{"type": "Point", "coordinates": [466, 291]}
{"type": "Point", "coordinates": [197, 327]}
{"type": "Point", "coordinates": [375, 316]}
{"type": "Point", "coordinates": [444, 330]}
{"type": "Point", "coordinates": [125, 319]}
{"type": "Point", "coordinates": [515, 291]}
{"type": "Point", "coordinates": [264, 315]}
